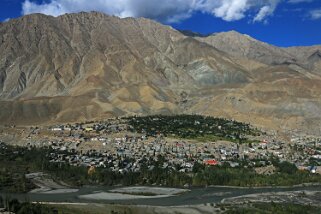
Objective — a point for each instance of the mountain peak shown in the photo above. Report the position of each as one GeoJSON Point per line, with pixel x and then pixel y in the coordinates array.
{"type": "Point", "coordinates": [242, 45]}
{"type": "Point", "coordinates": [232, 32]}
{"type": "Point", "coordinates": [235, 34]}
{"type": "Point", "coordinates": [90, 13]}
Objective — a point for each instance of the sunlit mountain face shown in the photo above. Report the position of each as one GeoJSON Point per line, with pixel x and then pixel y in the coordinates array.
{"type": "Point", "coordinates": [91, 65]}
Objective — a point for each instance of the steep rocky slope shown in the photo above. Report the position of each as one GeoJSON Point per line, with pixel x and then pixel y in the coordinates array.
{"type": "Point", "coordinates": [102, 65]}
{"type": "Point", "coordinates": [88, 66]}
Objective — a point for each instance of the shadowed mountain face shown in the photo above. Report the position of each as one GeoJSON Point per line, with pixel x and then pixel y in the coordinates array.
{"type": "Point", "coordinates": [90, 66]}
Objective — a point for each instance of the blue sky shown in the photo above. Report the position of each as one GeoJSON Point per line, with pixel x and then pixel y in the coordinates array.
{"type": "Point", "coordinates": [279, 22]}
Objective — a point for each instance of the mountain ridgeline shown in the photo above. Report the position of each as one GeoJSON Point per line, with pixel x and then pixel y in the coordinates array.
{"type": "Point", "coordinates": [89, 66]}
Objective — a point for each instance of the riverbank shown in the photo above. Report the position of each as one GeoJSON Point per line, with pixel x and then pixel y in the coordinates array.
{"type": "Point", "coordinates": [268, 187]}
{"type": "Point", "coordinates": [209, 208]}
{"type": "Point", "coordinates": [96, 208]}
{"type": "Point", "coordinates": [296, 197]}
{"type": "Point", "coordinates": [46, 185]}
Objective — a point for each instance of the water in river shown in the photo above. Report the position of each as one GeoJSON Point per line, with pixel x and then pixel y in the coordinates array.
{"type": "Point", "coordinates": [193, 197]}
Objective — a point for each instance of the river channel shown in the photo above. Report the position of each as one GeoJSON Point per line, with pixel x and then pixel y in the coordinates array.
{"type": "Point", "coordinates": [193, 197]}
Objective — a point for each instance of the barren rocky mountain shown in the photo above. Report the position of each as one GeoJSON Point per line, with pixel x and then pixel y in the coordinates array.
{"type": "Point", "coordinates": [311, 56]}
{"type": "Point", "coordinates": [90, 66]}
{"type": "Point", "coordinates": [240, 45]}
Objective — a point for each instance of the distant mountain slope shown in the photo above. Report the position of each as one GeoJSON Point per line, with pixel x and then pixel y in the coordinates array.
{"type": "Point", "coordinates": [303, 52]}
{"type": "Point", "coordinates": [89, 66]}
{"type": "Point", "coordinates": [310, 56]}
{"type": "Point", "coordinates": [241, 45]}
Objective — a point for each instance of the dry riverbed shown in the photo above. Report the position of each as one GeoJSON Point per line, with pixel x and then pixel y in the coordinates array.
{"type": "Point", "coordinates": [48, 186]}
{"type": "Point", "coordinates": [139, 192]}
{"type": "Point", "coordinates": [296, 197]}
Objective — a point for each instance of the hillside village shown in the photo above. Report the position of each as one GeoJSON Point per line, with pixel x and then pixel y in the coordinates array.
{"type": "Point", "coordinates": [116, 145]}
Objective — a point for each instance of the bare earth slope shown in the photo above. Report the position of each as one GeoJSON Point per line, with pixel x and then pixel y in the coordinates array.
{"type": "Point", "coordinates": [241, 45]}
{"type": "Point", "coordinates": [308, 55]}
{"type": "Point", "coordinates": [89, 66]}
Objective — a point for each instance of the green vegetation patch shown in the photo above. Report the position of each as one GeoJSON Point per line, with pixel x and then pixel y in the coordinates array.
{"type": "Point", "coordinates": [197, 127]}
{"type": "Point", "coordinates": [272, 208]}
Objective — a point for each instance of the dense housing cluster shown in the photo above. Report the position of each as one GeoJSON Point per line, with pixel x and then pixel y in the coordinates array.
{"type": "Point", "coordinates": [164, 150]}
